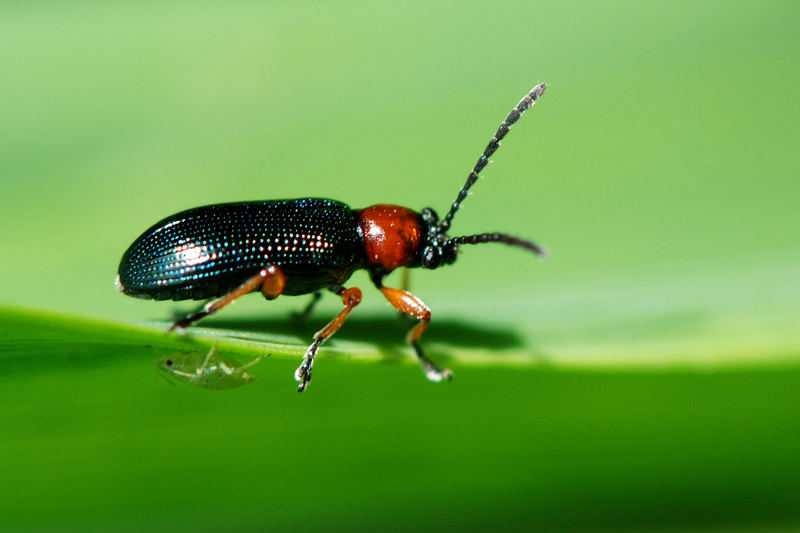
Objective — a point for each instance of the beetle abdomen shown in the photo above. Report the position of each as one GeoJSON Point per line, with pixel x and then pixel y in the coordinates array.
{"type": "Point", "coordinates": [207, 251]}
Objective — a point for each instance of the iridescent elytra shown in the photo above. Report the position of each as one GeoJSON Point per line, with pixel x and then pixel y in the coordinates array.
{"type": "Point", "coordinates": [304, 246]}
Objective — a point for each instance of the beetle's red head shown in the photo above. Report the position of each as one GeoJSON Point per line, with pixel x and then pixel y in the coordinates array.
{"type": "Point", "coordinates": [396, 236]}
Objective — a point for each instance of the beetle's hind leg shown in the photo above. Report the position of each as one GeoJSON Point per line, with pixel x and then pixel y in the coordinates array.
{"type": "Point", "coordinates": [407, 303]}
{"type": "Point", "coordinates": [303, 315]}
{"type": "Point", "coordinates": [270, 281]}
{"type": "Point", "coordinates": [178, 314]}
{"type": "Point", "coordinates": [350, 298]}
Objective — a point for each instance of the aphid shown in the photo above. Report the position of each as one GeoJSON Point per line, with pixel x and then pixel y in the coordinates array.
{"type": "Point", "coordinates": [303, 246]}
{"type": "Point", "coordinates": [209, 371]}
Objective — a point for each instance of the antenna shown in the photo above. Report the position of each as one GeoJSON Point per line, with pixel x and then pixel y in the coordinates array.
{"type": "Point", "coordinates": [500, 237]}
{"type": "Point", "coordinates": [526, 103]}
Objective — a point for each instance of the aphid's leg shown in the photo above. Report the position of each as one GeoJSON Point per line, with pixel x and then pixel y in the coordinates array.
{"type": "Point", "coordinates": [410, 304]}
{"type": "Point", "coordinates": [209, 355]}
{"type": "Point", "coordinates": [253, 362]}
{"type": "Point", "coordinates": [303, 315]}
{"type": "Point", "coordinates": [350, 298]}
{"type": "Point", "coordinates": [270, 281]}
{"type": "Point", "coordinates": [228, 370]}
{"type": "Point", "coordinates": [187, 375]}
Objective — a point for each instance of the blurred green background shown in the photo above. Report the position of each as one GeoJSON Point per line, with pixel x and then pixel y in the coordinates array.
{"type": "Point", "coordinates": [645, 376]}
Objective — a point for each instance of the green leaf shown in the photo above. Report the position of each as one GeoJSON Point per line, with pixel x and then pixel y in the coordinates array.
{"type": "Point", "coordinates": [93, 438]}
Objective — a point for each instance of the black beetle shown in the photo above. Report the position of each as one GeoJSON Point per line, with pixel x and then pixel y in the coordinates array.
{"type": "Point", "coordinates": [303, 246]}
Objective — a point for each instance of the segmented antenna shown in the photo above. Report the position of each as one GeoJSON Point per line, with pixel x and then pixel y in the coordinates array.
{"type": "Point", "coordinates": [500, 237]}
{"type": "Point", "coordinates": [523, 105]}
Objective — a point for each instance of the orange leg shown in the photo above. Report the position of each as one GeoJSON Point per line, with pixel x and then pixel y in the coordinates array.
{"type": "Point", "coordinates": [407, 303]}
{"type": "Point", "coordinates": [350, 299]}
{"type": "Point", "coordinates": [270, 281]}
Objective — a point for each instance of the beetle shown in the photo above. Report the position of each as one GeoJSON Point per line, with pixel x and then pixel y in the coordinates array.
{"type": "Point", "coordinates": [304, 246]}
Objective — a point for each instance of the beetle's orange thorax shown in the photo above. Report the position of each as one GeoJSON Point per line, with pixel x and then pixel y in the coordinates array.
{"type": "Point", "coordinates": [392, 234]}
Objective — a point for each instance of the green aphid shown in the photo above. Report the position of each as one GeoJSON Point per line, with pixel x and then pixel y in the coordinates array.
{"type": "Point", "coordinates": [209, 371]}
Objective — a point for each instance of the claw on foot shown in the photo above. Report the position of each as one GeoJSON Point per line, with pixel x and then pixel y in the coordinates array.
{"type": "Point", "coordinates": [302, 386]}
{"type": "Point", "coordinates": [303, 372]}
{"type": "Point", "coordinates": [303, 375]}
{"type": "Point", "coordinates": [436, 374]}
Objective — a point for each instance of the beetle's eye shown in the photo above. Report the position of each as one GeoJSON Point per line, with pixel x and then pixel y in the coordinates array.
{"type": "Point", "coordinates": [169, 362]}
{"type": "Point", "coordinates": [431, 257]}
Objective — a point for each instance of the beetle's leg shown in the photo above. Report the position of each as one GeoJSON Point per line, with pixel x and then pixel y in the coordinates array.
{"type": "Point", "coordinates": [408, 303]}
{"type": "Point", "coordinates": [177, 314]}
{"type": "Point", "coordinates": [405, 280]}
{"type": "Point", "coordinates": [405, 285]}
{"type": "Point", "coordinates": [303, 315]}
{"type": "Point", "coordinates": [350, 298]}
{"type": "Point", "coordinates": [270, 281]}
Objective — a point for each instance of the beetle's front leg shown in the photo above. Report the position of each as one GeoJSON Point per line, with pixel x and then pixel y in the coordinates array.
{"type": "Point", "coordinates": [407, 303]}
{"type": "Point", "coordinates": [350, 298]}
